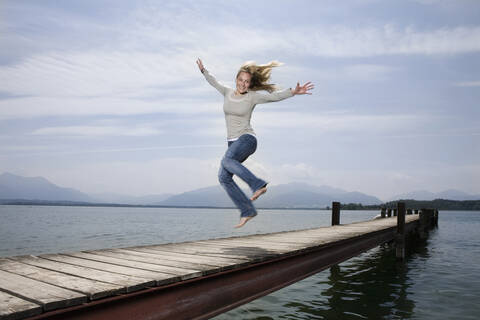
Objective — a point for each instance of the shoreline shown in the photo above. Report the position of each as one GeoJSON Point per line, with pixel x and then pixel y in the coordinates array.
{"type": "Point", "coordinates": [439, 204]}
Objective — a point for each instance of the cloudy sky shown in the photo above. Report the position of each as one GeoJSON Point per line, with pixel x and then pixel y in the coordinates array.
{"type": "Point", "coordinates": [105, 96]}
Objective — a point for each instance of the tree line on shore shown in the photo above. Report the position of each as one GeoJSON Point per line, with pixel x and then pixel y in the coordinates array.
{"type": "Point", "coordinates": [439, 204]}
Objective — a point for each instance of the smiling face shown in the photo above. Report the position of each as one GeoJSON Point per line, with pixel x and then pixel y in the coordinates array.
{"type": "Point", "coordinates": [243, 82]}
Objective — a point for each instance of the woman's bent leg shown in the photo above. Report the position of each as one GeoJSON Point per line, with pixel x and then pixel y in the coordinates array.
{"type": "Point", "coordinates": [236, 194]}
{"type": "Point", "coordinates": [237, 153]}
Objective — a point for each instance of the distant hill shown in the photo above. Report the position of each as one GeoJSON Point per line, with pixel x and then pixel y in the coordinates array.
{"type": "Point", "coordinates": [204, 197]}
{"type": "Point", "coordinates": [451, 194]}
{"type": "Point", "coordinates": [14, 187]}
{"type": "Point", "coordinates": [37, 188]}
{"type": "Point", "coordinates": [292, 195]}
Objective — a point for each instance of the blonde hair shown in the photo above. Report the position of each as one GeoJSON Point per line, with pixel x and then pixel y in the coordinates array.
{"type": "Point", "coordinates": [260, 74]}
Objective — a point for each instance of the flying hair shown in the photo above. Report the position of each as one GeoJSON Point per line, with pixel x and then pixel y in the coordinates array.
{"type": "Point", "coordinates": [260, 74]}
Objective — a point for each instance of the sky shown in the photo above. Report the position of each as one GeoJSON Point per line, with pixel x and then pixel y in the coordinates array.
{"type": "Point", "coordinates": [105, 96]}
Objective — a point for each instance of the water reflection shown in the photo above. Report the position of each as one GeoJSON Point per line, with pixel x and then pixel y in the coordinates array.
{"type": "Point", "coordinates": [372, 286]}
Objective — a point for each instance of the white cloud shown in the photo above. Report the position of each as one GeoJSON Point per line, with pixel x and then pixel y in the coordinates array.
{"type": "Point", "coordinates": [367, 72]}
{"type": "Point", "coordinates": [467, 84]}
{"type": "Point", "coordinates": [318, 40]}
{"type": "Point", "coordinates": [98, 131]}
{"type": "Point", "coordinates": [52, 151]}
{"type": "Point", "coordinates": [29, 107]}
{"type": "Point", "coordinates": [342, 123]}
{"type": "Point", "coordinates": [95, 73]}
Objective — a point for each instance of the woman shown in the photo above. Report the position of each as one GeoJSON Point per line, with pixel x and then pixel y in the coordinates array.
{"type": "Point", "coordinates": [238, 107]}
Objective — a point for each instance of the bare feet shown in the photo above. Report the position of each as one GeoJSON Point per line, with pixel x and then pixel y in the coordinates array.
{"type": "Point", "coordinates": [242, 222]}
{"type": "Point", "coordinates": [258, 193]}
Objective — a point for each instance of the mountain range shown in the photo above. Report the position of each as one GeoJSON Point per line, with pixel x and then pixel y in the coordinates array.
{"type": "Point", "coordinates": [291, 195]}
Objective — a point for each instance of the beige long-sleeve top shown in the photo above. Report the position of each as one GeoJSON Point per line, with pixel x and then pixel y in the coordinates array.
{"type": "Point", "coordinates": [238, 109]}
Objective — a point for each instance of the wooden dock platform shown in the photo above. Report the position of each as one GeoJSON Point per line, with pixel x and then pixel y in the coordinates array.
{"type": "Point", "coordinates": [190, 280]}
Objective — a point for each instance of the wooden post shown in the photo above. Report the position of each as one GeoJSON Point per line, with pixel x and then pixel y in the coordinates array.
{"type": "Point", "coordinates": [394, 212]}
{"type": "Point", "coordinates": [383, 213]}
{"type": "Point", "coordinates": [436, 218]}
{"type": "Point", "coordinates": [423, 224]}
{"type": "Point", "coordinates": [389, 212]}
{"type": "Point", "coordinates": [335, 213]}
{"type": "Point", "coordinates": [400, 236]}
{"type": "Point", "coordinates": [430, 218]}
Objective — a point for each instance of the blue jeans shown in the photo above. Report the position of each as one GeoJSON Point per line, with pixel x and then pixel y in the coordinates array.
{"type": "Point", "coordinates": [238, 151]}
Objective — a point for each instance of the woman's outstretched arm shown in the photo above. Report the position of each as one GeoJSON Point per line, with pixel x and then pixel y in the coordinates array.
{"type": "Point", "coordinates": [211, 79]}
{"type": "Point", "coordinates": [283, 94]}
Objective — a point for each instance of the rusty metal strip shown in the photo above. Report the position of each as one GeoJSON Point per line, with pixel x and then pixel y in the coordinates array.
{"type": "Point", "coordinates": [214, 294]}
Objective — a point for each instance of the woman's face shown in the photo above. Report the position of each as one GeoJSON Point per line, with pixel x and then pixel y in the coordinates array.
{"type": "Point", "coordinates": [243, 82]}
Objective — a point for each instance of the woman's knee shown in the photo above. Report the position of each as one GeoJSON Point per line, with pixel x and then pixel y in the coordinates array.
{"type": "Point", "coordinates": [226, 162]}
{"type": "Point", "coordinates": [224, 176]}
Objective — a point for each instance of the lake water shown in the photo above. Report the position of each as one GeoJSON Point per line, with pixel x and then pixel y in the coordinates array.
{"type": "Point", "coordinates": [439, 279]}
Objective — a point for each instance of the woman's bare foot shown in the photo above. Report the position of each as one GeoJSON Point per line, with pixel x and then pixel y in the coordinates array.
{"type": "Point", "coordinates": [258, 193]}
{"type": "Point", "coordinates": [242, 222]}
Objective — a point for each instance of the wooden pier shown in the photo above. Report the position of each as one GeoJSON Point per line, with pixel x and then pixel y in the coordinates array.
{"type": "Point", "coordinates": [190, 280]}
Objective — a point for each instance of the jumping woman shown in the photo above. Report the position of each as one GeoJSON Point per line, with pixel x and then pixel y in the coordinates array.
{"type": "Point", "coordinates": [238, 106]}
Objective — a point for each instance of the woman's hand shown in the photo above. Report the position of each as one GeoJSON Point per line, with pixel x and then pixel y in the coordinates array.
{"type": "Point", "coordinates": [200, 65]}
{"type": "Point", "coordinates": [303, 89]}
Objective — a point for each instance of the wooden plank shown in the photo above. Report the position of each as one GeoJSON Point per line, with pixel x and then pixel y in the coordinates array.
{"type": "Point", "coordinates": [322, 233]}
{"type": "Point", "coordinates": [340, 232]}
{"type": "Point", "coordinates": [13, 308]}
{"type": "Point", "coordinates": [412, 218]}
{"type": "Point", "coordinates": [254, 249]}
{"type": "Point", "coordinates": [211, 261]}
{"type": "Point", "coordinates": [213, 250]}
{"type": "Point", "coordinates": [306, 234]}
{"type": "Point", "coordinates": [129, 283]}
{"type": "Point", "coordinates": [48, 296]}
{"type": "Point", "coordinates": [254, 245]}
{"type": "Point", "coordinates": [121, 261]}
{"type": "Point", "coordinates": [263, 243]}
{"type": "Point", "coordinates": [350, 231]}
{"type": "Point", "coordinates": [92, 289]}
{"type": "Point", "coordinates": [159, 278]}
{"type": "Point", "coordinates": [246, 250]}
{"type": "Point", "coordinates": [203, 253]}
{"type": "Point", "coordinates": [199, 249]}
{"type": "Point", "coordinates": [266, 248]}
{"type": "Point", "coordinates": [308, 238]}
{"type": "Point", "coordinates": [289, 242]}
{"type": "Point", "coordinates": [299, 238]}
{"type": "Point", "coordinates": [154, 258]}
